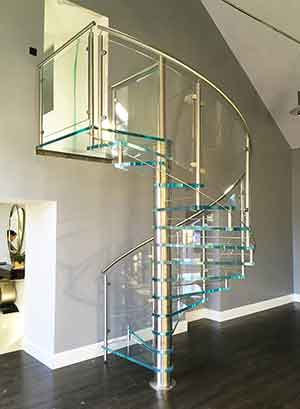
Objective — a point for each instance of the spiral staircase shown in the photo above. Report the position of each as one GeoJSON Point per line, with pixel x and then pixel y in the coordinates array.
{"type": "Point", "coordinates": [150, 114]}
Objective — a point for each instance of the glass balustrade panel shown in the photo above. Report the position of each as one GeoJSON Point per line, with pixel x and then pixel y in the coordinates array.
{"type": "Point", "coordinates": [65, 103]}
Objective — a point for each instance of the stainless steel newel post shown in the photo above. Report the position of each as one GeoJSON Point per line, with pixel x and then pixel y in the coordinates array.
{"type": "Point", "coordinates": [162, 286]}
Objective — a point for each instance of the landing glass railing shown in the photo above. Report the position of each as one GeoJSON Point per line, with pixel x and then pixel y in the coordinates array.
{"type": "Point", "coordinates": [68, 98]}
{"type": "Point", "coordinates": [102, 87]}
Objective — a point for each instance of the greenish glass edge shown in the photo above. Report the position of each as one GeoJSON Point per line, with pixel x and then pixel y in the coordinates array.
{"type": "Point", "coordinates": [61, 138]}
{"type": "Point", "coordinates": [232, 276]}
{"type": "Point", "coordinates": [195, 208]}
{"type": "Point", "coordinates": [191, 294]}
{"type": "Point", "coordinates": [189, 307]}
{"type": "Point", "coordinates": [182, 310]}
{"type": "Point", "coordinates": [179, 185]}
{"type": "Point", "coordinates": [204, 228]}
{"type": "Point", "coordinates": [136, 361]}
{"type": "Point", "coordinates": [196, 262]}
{"type": "Point", "coordinates": [208, 246]}
{"type": "Point", "coordinates": [150, 163]}
{"type": "Point", "coordinates": [148, 347]}
{"type": "Point", "coordinates": [129, 145]}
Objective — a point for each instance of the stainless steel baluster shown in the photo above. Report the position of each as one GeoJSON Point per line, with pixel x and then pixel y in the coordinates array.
{"type": "Point", "coordinates": [91, 87]}
{"type": "Point", "coordinates": [242, 223]}
{"type": "Point", "coordinates": [105, 310]}
{"type": "Point", "coordinates": [198, 140]}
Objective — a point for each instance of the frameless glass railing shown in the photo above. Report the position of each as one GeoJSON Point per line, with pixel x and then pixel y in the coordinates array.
{"type": "Point", "coordinates": [116, 99]}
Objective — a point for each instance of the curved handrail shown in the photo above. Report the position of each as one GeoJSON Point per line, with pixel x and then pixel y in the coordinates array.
{"type": "Point", "coordinates": [181, 223]}
{"type": "Point", "coordinates": [180, 63]}
{"type": "Point", "coordinates": [65, 45]}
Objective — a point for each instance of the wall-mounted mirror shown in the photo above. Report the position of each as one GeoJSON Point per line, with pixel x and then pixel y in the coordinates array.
{"type": "Point", "coordinates": [16, 236]}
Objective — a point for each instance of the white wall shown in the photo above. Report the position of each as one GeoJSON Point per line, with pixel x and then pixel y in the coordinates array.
{"type": "Point", "coordinates": [70, 73]}
{"type": "Point", "coordinates": [39, 314]}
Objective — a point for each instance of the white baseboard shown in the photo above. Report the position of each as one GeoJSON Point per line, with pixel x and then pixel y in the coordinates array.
{"type": "Point", "coordinates": [296, 297]}
{"type": "Point", "coordinates": [221, 316]}
{"type": "Point", "coordinates": [42, 356]}
{"type": "Point", "coordinates": [73, 356]}
{"type": "Point", "coordinates": [86, 352]}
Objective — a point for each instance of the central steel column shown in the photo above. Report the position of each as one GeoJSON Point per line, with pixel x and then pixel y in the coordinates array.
{"type": "Point", "coordinates": [162, 287]}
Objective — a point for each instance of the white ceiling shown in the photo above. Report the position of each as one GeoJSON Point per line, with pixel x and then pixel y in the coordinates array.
{"type": "Point", "coordinates": [271, 61]}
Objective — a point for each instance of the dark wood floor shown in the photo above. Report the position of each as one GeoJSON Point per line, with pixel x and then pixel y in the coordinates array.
{"type": "Point", "coordinates": [249, 363]}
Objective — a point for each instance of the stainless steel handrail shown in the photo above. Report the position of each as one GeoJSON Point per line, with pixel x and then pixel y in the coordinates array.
{"type": "Point", "coordinates": [181, 223]}
{"type": "Point", "coordinates": [66, 44]}
{"type": "Point", "coordinates": [174, 60]}
{"type": "Point", "coordinates": [136, 76]}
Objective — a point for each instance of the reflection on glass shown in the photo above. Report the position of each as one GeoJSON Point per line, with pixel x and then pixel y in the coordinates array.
{"type": "Point", "coordinates": [16, 236]}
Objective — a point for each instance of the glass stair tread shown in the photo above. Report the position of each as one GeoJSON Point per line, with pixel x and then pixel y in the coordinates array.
{"type": "Point", "coordinates": [190, 302]}
{"type": "Point", "coordinates": [63, 137]}
{"type": "Point", "coordinates": [181, 306]}
{"type": "Point", "coordinates": [135, 349]}
{"type": "Point", "coordinates": [108, 144]}
{"type": "Point", "coordinates": [138, 356]}
{"type": "Point", "coordinates": [180, 185]}
{"type": "Point", "coordinates": [195, 208]}
{"type": "Point", "coordinates": [148, 345]}
{"type": "Point", "coordinates": [129, 149]}
{"type": "Point", "coordinates": [193, 291]}
{"type": "Point", "coordinates": [216, 277]}
{"type": "Point", "coordinates": [121, 132]}
{"type": "Point", "coordinates": [73, 140]}
{"type": "Point", "coordinates": [199, 262]}
{"type": "Point", "coordinates": [205, 228]}
{"type": "Point", "coordinates": [149, 163]}
{"type": "Point", "coordinates": [197, 279]}
{"type": "Point", "coordinates": [208, 246]}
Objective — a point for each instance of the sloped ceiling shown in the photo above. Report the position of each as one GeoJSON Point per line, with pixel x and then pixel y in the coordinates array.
{"type": "Point", "coordinates": [271, 61]}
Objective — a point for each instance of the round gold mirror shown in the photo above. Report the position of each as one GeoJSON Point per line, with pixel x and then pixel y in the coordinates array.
{"type": "Point", "coordinates": [16, 236]}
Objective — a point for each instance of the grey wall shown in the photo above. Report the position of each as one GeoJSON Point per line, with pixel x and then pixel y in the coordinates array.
{"type": "Point", "coordinates": [187, 32]}
{"type": "Point", "coordinates": [101, 211]}
{"type": "Point", "coordinates": [296, 217]}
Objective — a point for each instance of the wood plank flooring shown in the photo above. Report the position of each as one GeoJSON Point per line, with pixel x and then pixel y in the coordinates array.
{"type": "Point", "coordinates": [249, 363]}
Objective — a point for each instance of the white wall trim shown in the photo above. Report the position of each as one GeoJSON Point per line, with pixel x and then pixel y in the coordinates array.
{"type": "Point", "coordinates": [221, 316]}
{"type": "Point", "coordinates": [93, 351]}
{"type": "Point", "coordinates": [296, 297]}
{"type": "Point", "coordinates": [86, 352]}
{"type": "Point", "coordinates": [43, 356]}
{"type": "Point", "coordinates": [77, 355]}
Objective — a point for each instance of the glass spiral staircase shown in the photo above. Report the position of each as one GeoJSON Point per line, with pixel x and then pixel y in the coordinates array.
{"type": "Point", "coordinates": [106, 96]}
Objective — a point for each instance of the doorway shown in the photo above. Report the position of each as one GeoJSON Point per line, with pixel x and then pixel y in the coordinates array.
{"type": "Point", "coordinates": [31, 325]}
{"type": "Point", "coordinates": [12, 259]}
